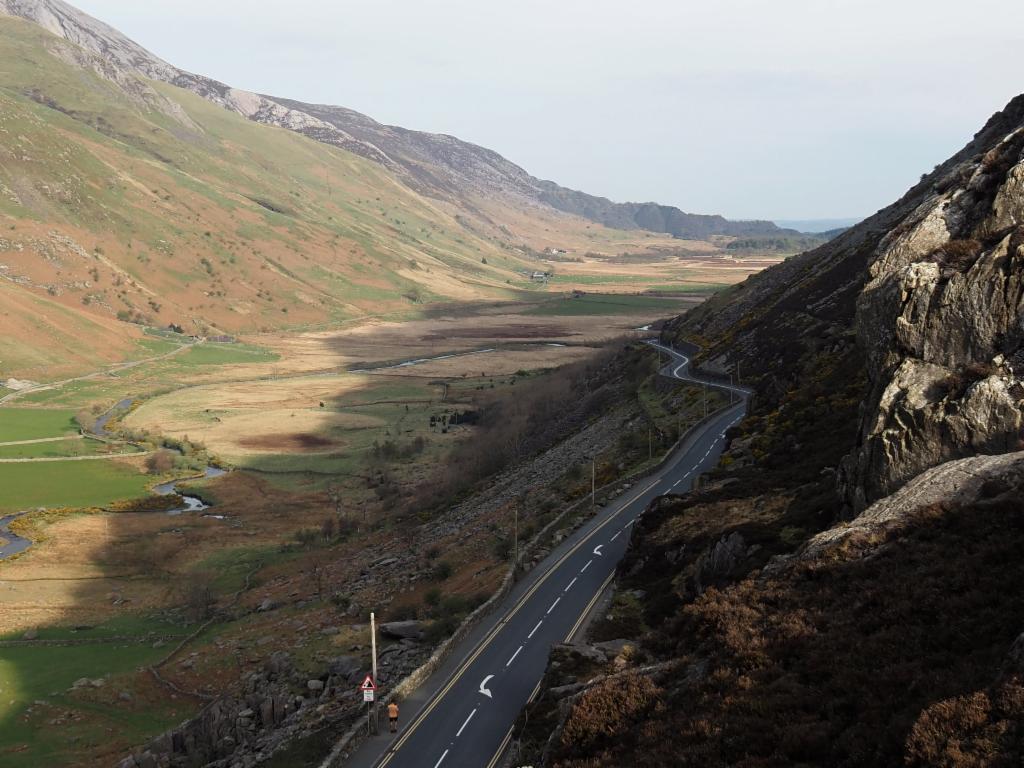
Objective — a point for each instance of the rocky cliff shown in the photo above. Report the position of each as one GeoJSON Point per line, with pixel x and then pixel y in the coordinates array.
{"type": "Point", "coordinates": [434, 164]}
{"type": "Point", "coordinates": [928, 290]}
{"type": "Point", "coordinates": [756, 627]}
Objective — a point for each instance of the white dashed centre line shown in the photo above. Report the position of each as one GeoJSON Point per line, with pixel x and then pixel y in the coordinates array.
{"type": "Point", "coordinates": [586, 566]}
{"type": "Point", "coordinates": [571, 583]}
{"type": "Point", "coordinates": [616, 535]}
{"type": "Point", "coordinates": [557, 601]}
{"type": "Point", "coordinates": [442, 759]}
{"type": "Point", "coordinates": [509, 662]}
{"type": "Point", "coordinates": [465, 724]}
{"type": "Point", "coordinates": [534, 632]}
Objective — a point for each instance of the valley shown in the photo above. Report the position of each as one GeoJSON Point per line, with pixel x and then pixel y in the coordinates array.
{"type": "Point", "coordinates": [290, 396]}
{"type": "Point", "coordinates": [326, 435]}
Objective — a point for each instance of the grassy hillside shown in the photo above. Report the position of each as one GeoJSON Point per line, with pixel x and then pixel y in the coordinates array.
{"type": "Point", "coordinates": [144, 203]}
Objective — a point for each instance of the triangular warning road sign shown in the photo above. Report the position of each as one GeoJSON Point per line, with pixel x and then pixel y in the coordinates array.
{"type": "Point", "coordinates": [368, 684]}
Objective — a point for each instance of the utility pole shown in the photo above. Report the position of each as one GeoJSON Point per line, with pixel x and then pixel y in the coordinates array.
{"type": "Point", "coordinates": [515, 540]}
{"type": "Point", "coordinates": [373, 650]}
{"type": "Point", "coordinates": [593, 482]}
{"type": "Point", "coordinates": [737, 374]}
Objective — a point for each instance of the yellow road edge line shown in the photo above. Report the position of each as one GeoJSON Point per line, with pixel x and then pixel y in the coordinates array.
{"type": "Point", "coordinates": [590, 607]}
{"type": "Point", "coordinates": [501, 749]}
{"type": "Point", "coordinates": [536, 690]}
{"type": "Point", "coordinates": [505, 619]}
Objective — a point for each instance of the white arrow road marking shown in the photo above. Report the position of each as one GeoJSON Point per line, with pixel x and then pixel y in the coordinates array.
{"type": "Point", "coordinates": [597, 550]}
{"type": "Point", "coordinates": [509, 662]}
{"type": "Point", "coordinates": [465, 724]}
{"type": "Point", "coordinates": [570, 584]}
{"type": "Point", "coordinates": [483, 687]}
{"type": "Point", "coordinates": [557, 601]}
{"type": "Point", "coordinates": [442, 759]}
{"type": "Point", "coordinates": [586, 566]}
{"type": "Point", "coordinates": [534, 632]}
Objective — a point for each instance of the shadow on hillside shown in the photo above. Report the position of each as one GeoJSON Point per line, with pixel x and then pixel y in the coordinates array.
{"type": "Point", "coordinates": [847, 660]}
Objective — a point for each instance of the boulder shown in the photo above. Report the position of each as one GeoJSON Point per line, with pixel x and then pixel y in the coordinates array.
{"type": "Point", "coordinates": [315, 685]}
{"type": "Point", "coordinates": [267, 605]}
{"type": "Point", "coordinates": [345, 667]}
{"type": "Point", "coordinates": [720, 563]}
{"type": "Point", "coordinates": [402, 629]}
{"type": "Point", "coordinates": [613, 648]}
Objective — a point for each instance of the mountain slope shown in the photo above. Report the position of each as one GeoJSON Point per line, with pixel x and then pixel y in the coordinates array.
{"type": "Point", "coordinates": [931, 287]}
{"type": "Point", "coordinates": [444, 165]}
{"type": "Point", "coordinates": [136, 199]}
{"type": "Point", "coordinates": [766, 627]}
{"type": "Point", "coordinates": [435, 165]}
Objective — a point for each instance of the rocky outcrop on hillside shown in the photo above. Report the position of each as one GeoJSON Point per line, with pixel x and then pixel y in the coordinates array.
{"type": "Point", "coordinates": [275, 705]}
{"type": "Point", "coordinates": [942, 327]}
{"type": "Point", "coordinates": [433, 164]}
{"type": "Point", "coordinates": [887, 367]}
{"type": "Point", "coordinates": [892, 640]}
{"type": "Point", "coordinates": [927, 294]}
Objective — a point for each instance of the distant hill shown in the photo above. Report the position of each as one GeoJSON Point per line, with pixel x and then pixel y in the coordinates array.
{"type": "Point", "coordinates": [817, 226]}
{"type": "Point", "coordinates": [436, 165]}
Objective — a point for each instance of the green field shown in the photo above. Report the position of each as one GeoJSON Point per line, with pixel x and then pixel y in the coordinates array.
{"type": "Point", "coordinates": [692, 288]}
{"type": "Point", "coordinates": [68, 484]}
{"type": "Point", "coordinates": [608, 304]}
{"type": "Point", "coordinates": [62, 448]}
{"type": "Point", "coordinates": [224, 354]}
{"type": "Point", "coordinates": [35, 423]}
{"type": "Point", "coordinates": [149, 378]}
{"type": "Point", "coordinates": [40, 677]}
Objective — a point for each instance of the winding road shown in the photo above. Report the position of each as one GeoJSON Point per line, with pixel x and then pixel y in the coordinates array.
{"type": "Point", "coordinates": [463, 716]}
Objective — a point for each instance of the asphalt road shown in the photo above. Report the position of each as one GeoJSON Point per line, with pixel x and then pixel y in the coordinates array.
{"type": "Point", "coordinates": [462, 717]}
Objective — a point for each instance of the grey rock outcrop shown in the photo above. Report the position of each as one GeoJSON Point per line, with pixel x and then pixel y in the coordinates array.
{"type": "Point", "coordinates": [720, 562]}
{"type": "Point", "coordinates": [941, 322]}
{"type": "Point", "coordinates": [402, 630]}
{"type": "Point", "coordinates": [958, 482]}
{"type": "Point", "coordinates": [925, 298]}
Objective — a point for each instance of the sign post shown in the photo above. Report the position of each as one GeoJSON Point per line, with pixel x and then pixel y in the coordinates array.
{"type": "Point", "coordinates": [369, 689]}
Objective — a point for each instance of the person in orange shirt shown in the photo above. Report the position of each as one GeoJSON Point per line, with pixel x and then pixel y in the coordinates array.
{"type": "Point", "coordinates": [393, 716]}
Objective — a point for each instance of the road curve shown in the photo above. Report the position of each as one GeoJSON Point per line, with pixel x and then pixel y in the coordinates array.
{"type": "Point", "coordinates": [462, 717]}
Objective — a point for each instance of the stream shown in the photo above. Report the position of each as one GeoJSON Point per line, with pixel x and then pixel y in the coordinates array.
{"type": "Point", "coordinates": [192, 503]}
{"type": "Point", "coordinates": [14, 544]}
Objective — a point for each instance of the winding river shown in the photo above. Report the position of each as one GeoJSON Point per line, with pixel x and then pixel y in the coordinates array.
{"type": "Point", "coordinates": [13, 544]}
{"type": "Point", "coordinates": [16, 544]}
{"type": "Point", "coordinates": [192, 503]}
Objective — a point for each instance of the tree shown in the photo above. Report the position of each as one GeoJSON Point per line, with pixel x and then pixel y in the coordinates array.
{"type": "Point", "coordinates": [160, 462]}
{"type": "Point", "coordinates": [199, 596]}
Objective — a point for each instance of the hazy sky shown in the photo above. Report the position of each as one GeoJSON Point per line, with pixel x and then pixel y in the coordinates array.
{"type": "Point", "coordinates": [750, 108]}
